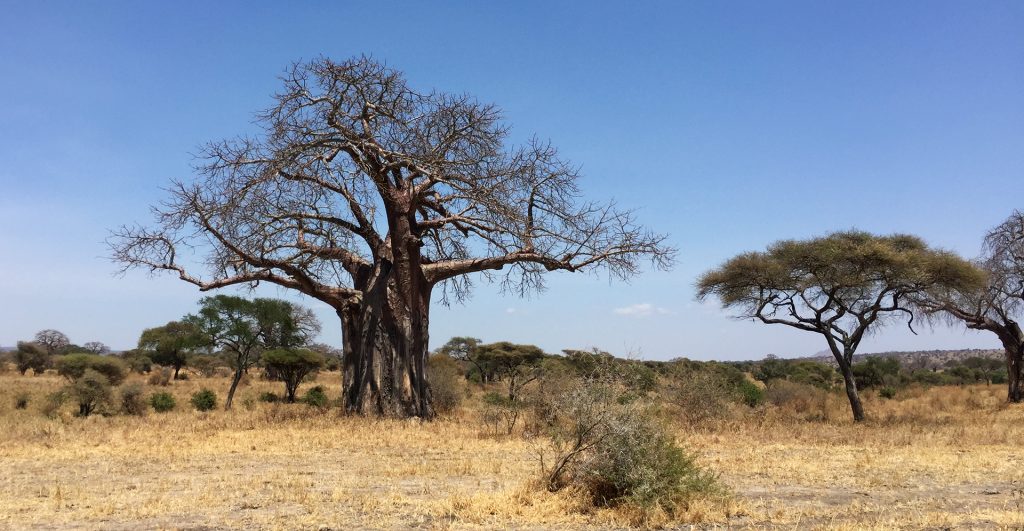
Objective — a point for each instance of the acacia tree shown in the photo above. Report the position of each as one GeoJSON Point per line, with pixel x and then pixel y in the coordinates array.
{"type": "Point", "coordinates": [518, 365]}
{"type": "Point", "coordinates": [374, 198]}
{"type": "Point", "coordinates": [840, 286]}
{"type": "Point", "coordinates": [467, 350]}
{"type": "Point", "coordinates": [997, 305]}
{"type": "Point", "coordinates": [244, 328]}
{"type": "Point", "coordinates": [170, 344]}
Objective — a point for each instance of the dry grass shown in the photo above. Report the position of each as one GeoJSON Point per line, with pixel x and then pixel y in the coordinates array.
{"type": "Point", "coordinates": [945, 457]}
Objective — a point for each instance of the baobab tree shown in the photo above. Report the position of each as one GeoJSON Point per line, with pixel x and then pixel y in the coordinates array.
{"type": "Point", "coordinates": [375, 198]}
{"type": "Point", "coordinates": [997, 305]}
{"type": "Point", "coordinates": [840, 286]}
{"type": "Point", "coordinates": [54, 341]}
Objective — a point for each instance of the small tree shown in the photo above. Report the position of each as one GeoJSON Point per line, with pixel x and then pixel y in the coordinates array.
{"type": "Point", "coordinates": [91, 391]}
{"type": "Point", "coordinates": [31, 356]}
{"type": "Point", "coordinates": [291, 366]}
{"type": "Point", "coordinates": [467, 350]}
{"type": "Point", "coordinates": [517, 365]}
{"type": "Point", "coordinates": [170, 345]}
{"type": "Point", "coordinates": [840, 286]}
{"type": "Point", "coordinates": [243, 328]}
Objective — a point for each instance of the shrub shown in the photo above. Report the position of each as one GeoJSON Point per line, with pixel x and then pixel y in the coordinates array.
{"type": "Point", "coordinates": [806, 401]}
{"type": "Point", "coordinates": [269, 397]}
{"type": "Point", "coordinates": [53, 403]}
{"type": "Point", "coordinates": [132, 402]}
{"type": "Point", "coordinates": [618, 453]}
{"type": "Point", "coordinates": [887, 392]}
{"type": "Point", "coordinates": [21, 401]}
{"type": "Point", "coordinates": [500, 411]}
{"type": "Point", "coordinates": [750, 394]}
{"type": "Point", "coordinates": [446, 383]}
{"type": "Point", "coordinates": [206, 365]}
{"type": "Point", "coordinates": [30, 356]}
{"type": "Point", "coordinates": [316, 397]}
{"type": "Point", "coordinates": [139, 363]}
{"type": "Point", "coordinates": [162, 402]}
{"type": "Point", "coordinates": [74, 367]}
{"type": "Point", "coordinates": [701, 395]}
{"type": "Point", "coordinates": [204, 400]}
{"type": "Point", "coordinates": [92, 391]}
{"type": "Point", "coordinates": [160, 377]}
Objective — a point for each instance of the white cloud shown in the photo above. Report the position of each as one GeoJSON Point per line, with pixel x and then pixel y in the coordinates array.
{"type": "Point", "coordinates": [510, 310]}
{"type": "Point", "coordinates": [644, 309]}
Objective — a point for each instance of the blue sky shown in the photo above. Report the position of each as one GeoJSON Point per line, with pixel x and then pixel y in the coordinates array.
{"type": "Point", "coordinates": [727, 124]}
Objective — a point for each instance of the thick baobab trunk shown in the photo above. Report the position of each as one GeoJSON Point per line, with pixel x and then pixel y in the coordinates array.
{"type": "Point", "coordinates": [385, 341]}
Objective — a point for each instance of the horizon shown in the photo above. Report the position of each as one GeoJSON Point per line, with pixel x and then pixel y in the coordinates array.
{"type": "Point", "coordinates": [727, 127]}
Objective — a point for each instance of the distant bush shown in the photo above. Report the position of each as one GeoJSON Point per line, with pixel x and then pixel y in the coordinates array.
{"type": "Point", "coordinates": [162, 402]}
{"type": "Point", "coordinates": [92, 391]}
{"type": "Point", "coordinates": [132, 401]}
{"type": "Point", "coordinates": [204, 400]}
{"type": "Point", "coordinates": [269, 397]}
{"type": "Point", "coordinates": [316, 397]}
{"type": "Point", "coordinates": [161, 377]}
{"type": "Point", "coordinates": [750, 394]}
{"type": "Point", "coordinates": [806, 401]}
{"type": "Point", "coordinates": [206, 365]}
{"type": "Point", "coordinates": [30, 356]}
{"type": "Point", "coordinates": [21, 401]}
{"type": "Point", "coordinates": [887, 392]}
{"type": "Point", "coordinates": [74, 367]}
{"type": "Point", "coordinates": [700, 395]}
{"type": "Point", "coordinates": [446, 383]}
{"type": "Point", "coordinates": [501, 413]}
{"type": "Point", "coordinates": [54, 401]}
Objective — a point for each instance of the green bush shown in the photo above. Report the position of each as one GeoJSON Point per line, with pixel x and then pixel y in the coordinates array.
{"type": "Point", "coordinates": [162, 402]}
{"type": "Point", "coordinates": [887, 392]}
{"type": "Point", "coordinates": [204, 400]}
{"type": "Point", "coordinates": [618, 453]}
{"type": "Point", "coordinates": [92, 391]}
{"type": "Point", "coordinates": [750, 394]}
{"type": "Point", "coordinates": [316, 397]}
{"type": "Point", "coordinates": [74, 367]}
{"type": "Point", "coordinates": [446, 383]}
{"type": "Point", "coordinates": [132, 402]}
{"type": "Point", "coordinates": [269, 397]}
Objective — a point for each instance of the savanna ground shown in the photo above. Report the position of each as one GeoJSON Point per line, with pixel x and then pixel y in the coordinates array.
{"type": "Point", "coordinates": [945, 457]}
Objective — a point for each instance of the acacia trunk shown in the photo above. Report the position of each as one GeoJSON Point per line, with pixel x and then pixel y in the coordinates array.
{"type": "Point", "coordinates": [1012, 338]}
{"type": "Point", "coordinates": [234, 385]}
{"type": "Point", "coordinates": [846, 368]}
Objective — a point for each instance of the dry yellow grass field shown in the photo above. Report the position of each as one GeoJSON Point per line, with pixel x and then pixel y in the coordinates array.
{"type": "Point", "coordinates": [936, 458]}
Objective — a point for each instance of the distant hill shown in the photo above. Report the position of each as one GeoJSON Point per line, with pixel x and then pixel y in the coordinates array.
{"type": "Point", "coordinates": [919, 359]}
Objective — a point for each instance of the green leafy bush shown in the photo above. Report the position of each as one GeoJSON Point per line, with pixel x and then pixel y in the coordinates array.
{"type": "Point", "coordinates": [291, 366]}
{"type": "Point", "coordinates": [316, 397]}
{"type": "Point", "coordinates": [92, 391]}
{"type": "Point", "coordinates": [162, 402]}
{"type": "Point", "coordinates": [618, 453]}
{"type": "Point", "coordinates": [750, 394]}
{"type": "Point", "coordinates": [269, 397]}
{"type": "Point", "coordinates": [887, 392]}
{"type": "Point", "coordinates": [204, 400]}
{"type": "Point", "coordinates": [132, 402]}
